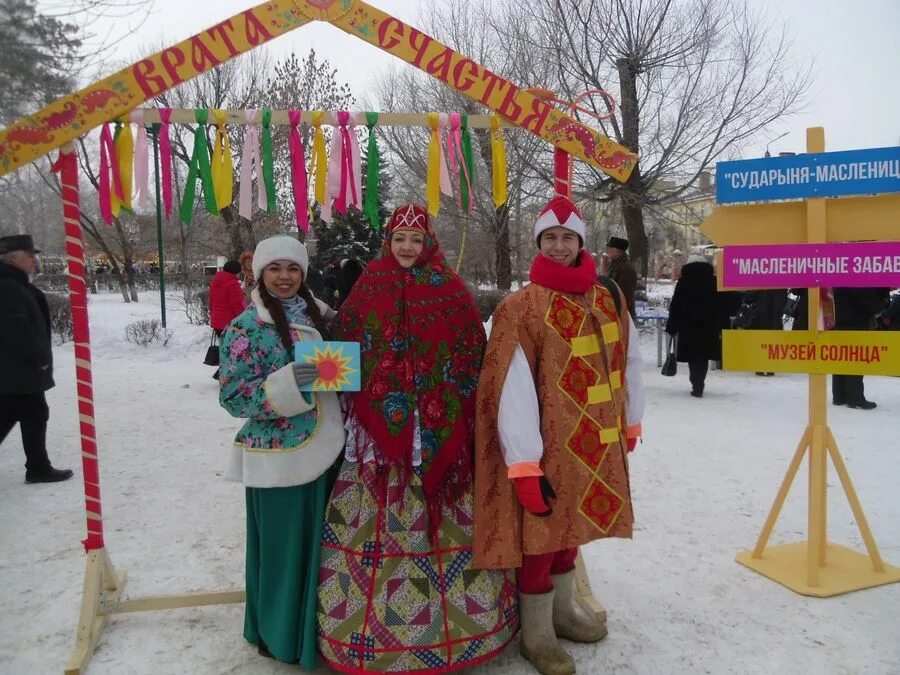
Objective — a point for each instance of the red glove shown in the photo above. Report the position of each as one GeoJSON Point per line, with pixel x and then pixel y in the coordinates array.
{"type": "Point", "coordinates": [632, 444]}
{"type": "Point", "coordinates": [535, 494]}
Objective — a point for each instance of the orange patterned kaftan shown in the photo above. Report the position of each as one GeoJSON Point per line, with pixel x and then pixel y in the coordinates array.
{"type": "Point", "coordinates": [576, 346]}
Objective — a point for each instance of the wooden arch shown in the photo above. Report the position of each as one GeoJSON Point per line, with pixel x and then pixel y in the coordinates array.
{"type": "Point", "coordinates": [73, 116]}
{"type": "Point", "coordinates": [67, 118]}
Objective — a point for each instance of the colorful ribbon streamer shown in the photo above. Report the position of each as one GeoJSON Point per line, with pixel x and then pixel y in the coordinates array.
{"type": "Point", "coordinates": [298, 172]}
{"type": "Point", "coordinates": [318, 166]}
{"type": "Point", "coordinates": [251, 160]}
{"type": "Point", "coordinates": [222, 169]}
{"type": "Point", "coordinates": [141, 161]}
{"type": "Point", "coordinates": [124, 144]}
{"type": "Point", "coordinates": [460, 165]}
{"type": "Point", "coordinates": [498, 162]}
{"type": "Point", "coordinates": [109, 171]}
{"type": "Point", "coordinates": [446, 184]}
{"type": "Point", "coordinates": [268, 163]}
{"type": "Point", "coordinates": [433, 178]}
{"type": "Point", "coordinates": [373, 174]}
{"type": "Point", "coordinates": [199, 166]}
{"type": "Point", "coordinates": [165, 159]}
{"type": "Point", "coordinates": [344, 170]}
{"type": "Point", "coordinates": [467, 189]}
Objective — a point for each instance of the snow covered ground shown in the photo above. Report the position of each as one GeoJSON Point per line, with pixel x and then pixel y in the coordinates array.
{"type": "Point", "coordinates": [703, 481]}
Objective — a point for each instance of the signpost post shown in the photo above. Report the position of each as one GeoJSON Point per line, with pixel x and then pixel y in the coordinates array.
{"type": "Point", "coordinates": [804, 229]}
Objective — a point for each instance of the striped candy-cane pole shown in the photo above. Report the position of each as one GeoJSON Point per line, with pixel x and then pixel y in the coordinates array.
{"type": "Point", "coordinates": [67, 167]}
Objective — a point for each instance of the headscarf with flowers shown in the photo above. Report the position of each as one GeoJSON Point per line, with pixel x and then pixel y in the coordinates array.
{"type": "Point", "coordinates": [421, 344]}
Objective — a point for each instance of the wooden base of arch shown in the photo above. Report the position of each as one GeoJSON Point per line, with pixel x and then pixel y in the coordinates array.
{"type": "Point", "coordinates": [102, 597]}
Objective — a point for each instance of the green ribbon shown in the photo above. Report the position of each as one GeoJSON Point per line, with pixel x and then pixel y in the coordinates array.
{"type": "Point", "coordinates": [199, 165]}
{"type": "Point", "coordinates": [469, 162]}
{"type": "Point", "coordinates": [373, 173]}
{"type": "Point", "coordinates": [268, 166]}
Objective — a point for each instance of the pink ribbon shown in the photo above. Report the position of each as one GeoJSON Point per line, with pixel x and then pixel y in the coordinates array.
{"type": "Point", "coordinates": [298, 172]}
{"type": "Point", "coordinates": [165, 158]}
{"type": "Point", "coordinates": [454, 151]}
{"type": "Point", "coordinates": [141, 160]}
{"type": "Point", "coordinates": [344, 170]}
{"type": "Point", "coordinates": [108, 164]}
{"type": "Point", "coordinates": [250, 159]}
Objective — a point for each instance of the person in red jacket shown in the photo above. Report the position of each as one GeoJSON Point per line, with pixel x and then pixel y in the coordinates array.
{"type": "Point", "coordinates": [226, 299]}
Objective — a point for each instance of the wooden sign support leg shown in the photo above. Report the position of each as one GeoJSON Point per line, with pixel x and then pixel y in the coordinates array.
{"type": "Point", "coordinates": [584, 595]}
{"type": "Point", "coordinates": [782, 495]}
{"type": "Point", "coordinates": [815, 567]}
{"type": "Point", "coordinates": [855, 506]}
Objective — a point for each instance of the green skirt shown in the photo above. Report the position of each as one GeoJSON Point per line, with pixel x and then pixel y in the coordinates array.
{"type": "Point", "coordinates": [284, 531]}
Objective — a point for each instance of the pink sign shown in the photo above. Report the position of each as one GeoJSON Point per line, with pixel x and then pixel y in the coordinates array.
{"type": "Point", "coordinates": [868, 265]}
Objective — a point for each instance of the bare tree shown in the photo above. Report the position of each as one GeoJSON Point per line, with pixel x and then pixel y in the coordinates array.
{"type": "Point", "coordinates": [696, 80]}
{"type": "Point", "coordinates": [118, 240]}
{"type": "Point", "coordinates": [237, 84]}
{"type": "Point", "coordinates": [101, 25]}
{"type": "Point", "coordinates": [303, 84]}
{"type": "Point", "coordinates": [470, 29]}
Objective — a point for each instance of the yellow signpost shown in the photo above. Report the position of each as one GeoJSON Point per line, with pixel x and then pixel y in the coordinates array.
{"type": "Point", "coordinates": [835, 352]}
{"type": "Point", "coordinates": [845, 219]}
{"type": "Point", "coordinates": [815, 567]}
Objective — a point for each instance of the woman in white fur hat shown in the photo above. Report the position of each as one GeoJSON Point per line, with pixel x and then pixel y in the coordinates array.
{"type": "Point", "coordinates": [283, 452]}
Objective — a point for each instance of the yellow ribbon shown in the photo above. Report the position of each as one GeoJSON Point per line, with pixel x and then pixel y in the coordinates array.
{"type": "Point", "coordinates": [318, 163]}
{"type": "Point", "coordinates": [433, 180]}
{"type": "Point", "coordinates": [222, 169]}
{"type": "Point", "coordinates": [124, 143]}
{"type": "Point", "coordinates": [498, 162]}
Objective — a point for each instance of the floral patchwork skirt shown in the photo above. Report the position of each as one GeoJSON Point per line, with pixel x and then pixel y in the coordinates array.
{"type": "Point", "coordinates": [390, 601]}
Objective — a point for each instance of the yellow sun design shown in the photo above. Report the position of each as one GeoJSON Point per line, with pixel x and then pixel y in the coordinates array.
{"type": "Point", "coordinates": [333, 367]}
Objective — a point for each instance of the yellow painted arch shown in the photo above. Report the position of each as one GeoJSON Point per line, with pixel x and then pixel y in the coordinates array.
{"type": "Point", "coordinates": [72, 116]}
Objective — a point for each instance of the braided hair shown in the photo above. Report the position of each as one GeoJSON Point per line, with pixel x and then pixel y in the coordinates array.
{"type": "Point", "coordinates": [276, 309]}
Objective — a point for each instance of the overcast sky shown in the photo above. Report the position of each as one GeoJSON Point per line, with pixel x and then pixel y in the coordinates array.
{"type": "Point", "coordinates": [855, 45]}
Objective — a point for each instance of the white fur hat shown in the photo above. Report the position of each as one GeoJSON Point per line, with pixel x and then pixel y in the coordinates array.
{"type": "Point", "coordinates": [282, 247]}
{"type": "Point", "coordinates": [695, 258]}
{"type": "Point", "coordinates": [559, 212]}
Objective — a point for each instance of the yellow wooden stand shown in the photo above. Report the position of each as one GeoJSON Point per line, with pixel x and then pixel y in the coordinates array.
{"type": "Point", "coordinates": [102, 596]}
{"type": "Point", "coordinates": [815, 567]}
{"type": "Point", "coordinates": [584, 595]}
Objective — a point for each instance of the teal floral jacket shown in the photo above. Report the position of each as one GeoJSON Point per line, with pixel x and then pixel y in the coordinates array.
{"type": "Point", "coordinates": [290, 438]}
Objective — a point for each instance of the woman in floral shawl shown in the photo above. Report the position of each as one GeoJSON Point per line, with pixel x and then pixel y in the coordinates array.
{"type": "Point", "coordinates": [397, 591]}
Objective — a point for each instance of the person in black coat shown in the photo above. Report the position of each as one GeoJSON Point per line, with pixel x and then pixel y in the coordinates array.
{"type": "Point", "coordinates": [26, 358]}
{"type": "Point", "coordinates": [768, 311]}
{"type": "Point", "coordinates": [855, 309]}
{"type": "Point", "coordinates": [801, 318]}
{"type": "Point", "coordinates": [890, 320]}
{"type": "Point", "coordinates": [348, 274]}
{"type": "Point", "coordinates": [694, 319]}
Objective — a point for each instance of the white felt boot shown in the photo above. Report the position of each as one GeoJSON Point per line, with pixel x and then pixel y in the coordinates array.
{"type": "Point", "coordinates": [539, 644]}
{"type": "Point", "coordinates": [569, 621]}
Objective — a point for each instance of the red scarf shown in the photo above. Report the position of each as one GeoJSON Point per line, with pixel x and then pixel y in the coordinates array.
{"type": "Point", "coordinates": [551, 274]}
{"type": "Point", "coordinates": [421, 344]}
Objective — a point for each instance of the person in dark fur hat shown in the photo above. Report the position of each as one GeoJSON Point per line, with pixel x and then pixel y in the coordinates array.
{"type": "Point", "coordinates": [621, 270]}
{"type": "Point", "coordinates": [26, 358]}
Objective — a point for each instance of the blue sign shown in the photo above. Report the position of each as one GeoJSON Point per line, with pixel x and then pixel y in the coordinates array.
{"type": "Point", "coordinates": [825, 174]}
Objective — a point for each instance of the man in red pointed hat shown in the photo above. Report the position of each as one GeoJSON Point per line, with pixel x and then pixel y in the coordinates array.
{"type": "Point", "coordinates": [560, 401]}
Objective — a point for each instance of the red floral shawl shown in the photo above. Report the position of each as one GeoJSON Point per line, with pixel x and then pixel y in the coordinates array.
{"type": "Point", "coordinates": [421, 344]}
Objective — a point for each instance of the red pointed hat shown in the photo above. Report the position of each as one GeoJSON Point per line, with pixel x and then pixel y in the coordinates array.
{"type": "Point", "coordinates": [560, 212]}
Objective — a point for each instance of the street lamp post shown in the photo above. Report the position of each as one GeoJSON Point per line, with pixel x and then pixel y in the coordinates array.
{"type": "Point", "coordinates": [768, 154]}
